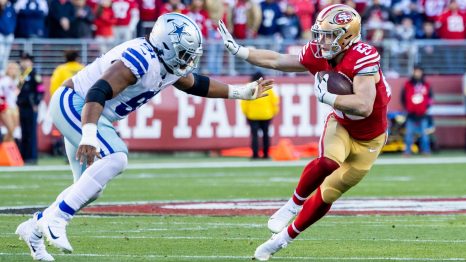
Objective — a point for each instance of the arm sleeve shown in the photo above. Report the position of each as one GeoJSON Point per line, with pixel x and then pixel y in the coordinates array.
{"type": "Point", "coordinates": [367, 61]}
{"type": "Point", "coordinates": [136, 60]}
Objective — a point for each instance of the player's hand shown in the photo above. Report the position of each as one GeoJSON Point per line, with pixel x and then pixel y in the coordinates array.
{"type": "Point", "coordinates": [250, 91]}
{"type": "Point", "coordinates": [88, 148]}
{"type": "Point", "coordinates": [321, 92]}
{"type": "Point", "coordinates": [263, 86]}
{"type": "Point", "coordinates": [86, 154]}
{"type": "Point", "coordinates": [230, 43]}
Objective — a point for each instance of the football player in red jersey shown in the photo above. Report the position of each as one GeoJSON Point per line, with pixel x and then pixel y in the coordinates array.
{"type": "Point", "coordinates": [354, 133]}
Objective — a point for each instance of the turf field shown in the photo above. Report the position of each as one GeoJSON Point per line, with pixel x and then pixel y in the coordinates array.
{"type": "Point", "coordinates": [440, 237]}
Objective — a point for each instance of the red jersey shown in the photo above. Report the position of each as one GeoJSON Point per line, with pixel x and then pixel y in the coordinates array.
{"type": "Point", "coordinates": [452, 25]}
{"type": "Point", "coordinates": [417, 98]}
{"type": "Point", "coordinates": [201, 18]}
{"type": "Point", "coordinates": [240, 20]}
{"type": "Point", "coordinates": [149, 9]}
{"type": "Point", "coordinates": [122, 11]}
{"type": "Point", "coordinates": [360, 59]}
{"type": "Point", "coordinates": [104, 21]}
{"type": "Point", "coordinates": [433, 8]}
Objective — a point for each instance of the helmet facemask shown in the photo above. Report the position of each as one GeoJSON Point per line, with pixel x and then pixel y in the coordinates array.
{"type": "Point", "coordinates": [326, 42]}
{"type": "Point", "coordinates": [185, 61]}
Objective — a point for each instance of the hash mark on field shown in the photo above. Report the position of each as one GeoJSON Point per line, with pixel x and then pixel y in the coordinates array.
{"type": "Point", "coordinates": [248, 257]}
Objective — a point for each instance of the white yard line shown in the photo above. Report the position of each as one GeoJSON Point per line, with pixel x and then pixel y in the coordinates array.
{"type": "Point", "coordinates": [247, 257]}
{"type": "Point", "coordinates": [246, 164]}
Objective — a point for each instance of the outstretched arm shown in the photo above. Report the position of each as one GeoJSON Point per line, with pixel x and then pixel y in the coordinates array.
{"type": "Point", "coordinates": [204, 86]}
{"type": "Point", "coordinates": [260, 57]}
{"type": "Point", "coordinates": [112, 82]}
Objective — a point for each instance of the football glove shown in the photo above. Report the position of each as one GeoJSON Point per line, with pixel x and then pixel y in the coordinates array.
{"type": "Point", "coordinates": [230, 43]}
{"type": "Point", "coordinates": [320, 90]}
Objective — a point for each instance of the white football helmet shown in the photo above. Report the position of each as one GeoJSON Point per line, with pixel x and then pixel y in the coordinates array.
{"type": "Point", "coordinates": [179, 42]}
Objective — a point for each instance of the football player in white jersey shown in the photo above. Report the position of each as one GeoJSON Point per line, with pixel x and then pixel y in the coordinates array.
{"type": "Point", "coordinates": [107, 90]}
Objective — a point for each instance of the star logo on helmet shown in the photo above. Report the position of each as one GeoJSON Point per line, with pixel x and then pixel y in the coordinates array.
{"type": "Point", "coordinates": [179, 31]}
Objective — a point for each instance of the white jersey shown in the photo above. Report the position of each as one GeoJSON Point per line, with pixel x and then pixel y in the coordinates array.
{"type": "Point", "coordinates": [9, 89]}
{"type": "Point", "coordinates": [139, 56]}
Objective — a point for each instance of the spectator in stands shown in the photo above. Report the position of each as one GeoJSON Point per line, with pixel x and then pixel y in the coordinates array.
{"type": "Point", "coordinates": [451, 25]}
{"type": "Point", "coordinates": [127, 18]}
{"type": "Point", "coordinates": [246, 18]}
{"type": "Point", "coordinates": [290, 28]}
{"type": "Point", "coordinates": [149, 10]}
{"type": "Point", "coordinates": [217, 10]}
{"type": "Point", "coordinates": [270, 14]}
{"type": "Point", "coordinates": [428, 52]}
{"type": "Point", "coordinates": [7, 30]}
{"type": "Point", "coordinates": [432, 9]}
{"type": "Point", "coordinates": [31, 15]}
{"type": "Point", "coordinates": [360, 6]}
{"type": "Point", "coordinates": [259, 114]}
{"type": "Point", "coordinates": [378, 20]}
{"type": "Point", "coordinates": [66, 70]}
{"type": "Point", "coordinates": [81, 25]}
{"type": "Point", "coordinates": [305, 10]}
{"type": "Point", "coordinates": [416, 98]}
{"type": "Point", "coordinates": [59, 19]}
{"type": "Point", "coordinates": [197, 12]}
{"type": "Point", "coordinates": [104, 22]}
{"type": "Point", "coordinates": [8, 92]}
{"type": "Point", "coordinates": [410, 9]}
{"type": "Point", "coordinates": [32, 91]}
{"type": "Point", "coordinates": [173, 6]}
{"type": "Point", "coordinates": [404, 33]}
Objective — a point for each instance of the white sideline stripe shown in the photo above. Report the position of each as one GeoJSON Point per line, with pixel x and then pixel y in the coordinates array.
{"type": "Point", "coordinates": [246, 164]}
{"type": "Point", "coordinates": [249, 257]}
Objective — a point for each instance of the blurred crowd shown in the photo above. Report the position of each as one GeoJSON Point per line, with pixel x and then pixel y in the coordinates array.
{"type": "Point", "coordinates": [290, 19]}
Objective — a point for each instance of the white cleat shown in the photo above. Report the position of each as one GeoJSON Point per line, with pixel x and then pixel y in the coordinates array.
{"type": "Point", "coordinates": [282, 217]}
{"type": "Point", "coordinates": [278, 241]}
{"type": "Point", "coordinates": [29, 233]}
{"type": "Point", "coordinates": [54, 229]}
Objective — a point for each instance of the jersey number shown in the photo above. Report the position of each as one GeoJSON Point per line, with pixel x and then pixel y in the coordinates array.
{"type": "Point", "coordinates": [363, 49]}
{"type": "Point", "coordinates": [125, 108]}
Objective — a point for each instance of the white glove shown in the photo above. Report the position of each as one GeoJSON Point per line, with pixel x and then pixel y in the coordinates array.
{"type": "Point", "coordinates": [320, 90]}
{"type": "Point", "coordinates": [248, 91]}
{"type": "Point", "coordinates": [89, 136]}
{"type": "Point", "coordinates": [230, 43]}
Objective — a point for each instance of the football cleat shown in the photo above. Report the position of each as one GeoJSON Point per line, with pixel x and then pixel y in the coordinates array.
{"type": "Point", "coordinates": [54, 229]}
{"type": "Point", "coordinates": [29, 233]}
{"type": "Point", "coordinates": [277, 242]}
{"type": "Point", "coordinates": [283, 216]}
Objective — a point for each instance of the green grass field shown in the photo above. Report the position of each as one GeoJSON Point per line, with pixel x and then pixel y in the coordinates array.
{"type": "Point", "coordinates": [234, 238]}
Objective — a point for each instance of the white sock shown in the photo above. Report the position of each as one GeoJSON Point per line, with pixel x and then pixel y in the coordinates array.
{"type": "Point", "coordinates": [93, 181]}
{"type": "Point", "coordinates": [48, 211]}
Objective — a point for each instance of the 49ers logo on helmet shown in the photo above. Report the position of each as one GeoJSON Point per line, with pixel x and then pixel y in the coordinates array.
{"type": "Point", "coordinates": [343, 18]}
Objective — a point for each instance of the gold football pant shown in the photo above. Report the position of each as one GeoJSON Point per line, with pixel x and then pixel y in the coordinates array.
{"type": "Point", "coordinates": [354, 156]}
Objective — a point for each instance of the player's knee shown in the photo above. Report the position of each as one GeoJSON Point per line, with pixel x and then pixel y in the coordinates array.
{"type": "Point", "coordinates": [119, 161]}
{"type": "Point", "coordinates": [330, 194]}
{"type": "Point", "coordinates": [353, 176]}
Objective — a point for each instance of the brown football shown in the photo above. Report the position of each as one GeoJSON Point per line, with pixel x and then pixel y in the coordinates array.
{"type": "Point", "coordinates": [338, 83]}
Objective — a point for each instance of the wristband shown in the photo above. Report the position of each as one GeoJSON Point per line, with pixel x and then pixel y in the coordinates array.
{"type": "Point", "coordinates": [89, 136]}
{"type": "Point", "coordinates": [329, 99]}
{"type": "Point", "coordinates": [243, 52]}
